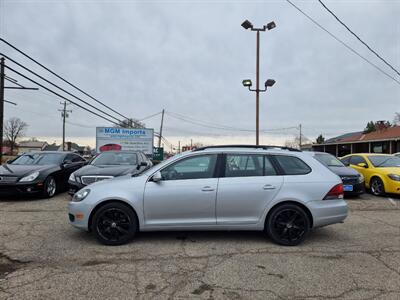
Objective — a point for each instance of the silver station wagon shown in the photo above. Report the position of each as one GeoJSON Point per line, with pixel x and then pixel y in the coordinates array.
{"type": "Point", "coordinates": [280, 190]}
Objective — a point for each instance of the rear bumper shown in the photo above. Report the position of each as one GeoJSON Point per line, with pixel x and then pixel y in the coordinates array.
{"type": "Point", "coordinates": [326, 212]}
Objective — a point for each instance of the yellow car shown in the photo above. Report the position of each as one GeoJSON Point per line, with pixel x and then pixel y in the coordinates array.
{"type": "Point", "coordinates": [381, 171]}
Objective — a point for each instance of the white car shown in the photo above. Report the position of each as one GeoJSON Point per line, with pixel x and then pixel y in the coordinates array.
{"type": "Point", "coordinates": [282, 191]}
{"type": "Point", "coordinates": [397, 154]}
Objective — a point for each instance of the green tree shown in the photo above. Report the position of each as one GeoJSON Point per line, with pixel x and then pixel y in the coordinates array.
{"type": "Point", "coordinates": [320, 139]}
{"type": "Point", "coordinates": [370, 127]}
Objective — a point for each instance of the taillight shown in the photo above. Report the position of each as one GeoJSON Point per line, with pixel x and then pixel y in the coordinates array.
{"type": "Point", "coordinates": [335, 193]}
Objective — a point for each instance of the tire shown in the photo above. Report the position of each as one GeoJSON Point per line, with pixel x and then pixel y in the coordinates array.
{"type": "Point", "coordinates": [288, 225]}
{"type": "Point", "coordinates": [377, 186]}
{"type": "Point", "coordinates": [114, 224]}
{"type": "Point", "coordinates": [49, 187]}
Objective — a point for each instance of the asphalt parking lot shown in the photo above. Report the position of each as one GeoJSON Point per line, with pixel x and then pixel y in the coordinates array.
{"type": "Point", "coordinates": [43, 257]}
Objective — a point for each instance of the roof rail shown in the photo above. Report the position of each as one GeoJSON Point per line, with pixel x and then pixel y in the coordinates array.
{"type": "Point", "coordinates": [264, 147]}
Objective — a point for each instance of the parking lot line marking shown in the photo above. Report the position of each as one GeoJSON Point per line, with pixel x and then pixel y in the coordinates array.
{"type": "Point", "coordinates": [392, 201]}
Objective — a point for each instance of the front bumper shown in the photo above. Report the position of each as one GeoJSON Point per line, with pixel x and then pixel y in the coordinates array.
{"type": "Point", "coordinates": [326, 212]}
{"type": "Point", "coordinates": [358, 189]}
{"type": "Point", "coordinates": [78, 213]}
{"type": "Point", "coordinates": [392, 187]}
{"type": "Point", "coordinates": [17, 189]}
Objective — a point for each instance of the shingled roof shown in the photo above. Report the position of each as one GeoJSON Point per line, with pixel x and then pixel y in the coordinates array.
{"type": "Point", "coordinates": [391, 133]}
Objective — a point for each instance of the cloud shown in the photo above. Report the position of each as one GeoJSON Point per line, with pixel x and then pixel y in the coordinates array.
{"type": "Point", "coordinates": [189, 57]}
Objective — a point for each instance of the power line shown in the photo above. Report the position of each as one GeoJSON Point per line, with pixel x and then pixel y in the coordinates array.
{"type": "Point", "coordinates": [343, 43]}
{"type": "Point", "coordinates": [219, 126]}
{"type": "Point", "coordinates": [59, 95]}
{"type": "Point", "coordinates": [358, 38]}
{"type": "Point", "coordinates": [60, 88]}
{"type": "Point", "coordinates": [59, 77]}
{"type": "Point", "coordinates": [151, 116]}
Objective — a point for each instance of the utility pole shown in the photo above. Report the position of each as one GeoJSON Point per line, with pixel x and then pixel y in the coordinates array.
{"type": "Point", "coordinates": [161, 128]}
{"type": "Point", "coordinates": [2, 75]}
{"type": "Point", "coordinates": [179, 146]}
{"type": "Point", "coordinates": [191, 144]}
{"type": "Point", "coordinates": [2, 100]}
{"type": "Point", "coordinates": [300, 137]}
{"type": "Point", "coordinates": [64, 115]}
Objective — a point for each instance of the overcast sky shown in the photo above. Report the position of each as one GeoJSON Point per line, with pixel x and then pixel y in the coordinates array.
{"type": "Point", "coordinates": [190, 57]}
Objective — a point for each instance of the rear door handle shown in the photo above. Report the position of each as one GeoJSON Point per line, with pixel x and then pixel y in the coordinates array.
{"type": "Point", "coordinates": [207, 189]}
{"type": "Point", "coordinates": [269, 187]}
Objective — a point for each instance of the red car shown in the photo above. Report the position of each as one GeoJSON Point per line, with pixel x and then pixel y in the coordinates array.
{"type": "Point", "coordinates": [110, 147]}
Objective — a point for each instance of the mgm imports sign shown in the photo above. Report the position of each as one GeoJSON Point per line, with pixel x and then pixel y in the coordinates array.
{"type": "Point", "coordinates": [133, 139]}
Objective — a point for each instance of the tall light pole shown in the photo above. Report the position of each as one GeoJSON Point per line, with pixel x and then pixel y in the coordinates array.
{"type": "Point", "coordinates": [247, 82]}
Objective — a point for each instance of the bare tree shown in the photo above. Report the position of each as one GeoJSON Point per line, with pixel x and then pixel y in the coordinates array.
{"type": "Point", "coordinates": [396, 120]}
{"type": "Point", "coordinates": [14, 128]}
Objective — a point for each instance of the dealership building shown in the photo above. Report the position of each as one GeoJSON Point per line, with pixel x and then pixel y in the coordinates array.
{"type": "Point", "coordinates": [385, 140]}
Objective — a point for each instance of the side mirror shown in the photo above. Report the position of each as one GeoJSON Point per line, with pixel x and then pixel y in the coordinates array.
{"type": "Point", "coordinates": [66, 163]}
{"type": "Point", "coordinates": [156, 177]}
{"type": "Point", "coordinates": [142, 164]}
{"type": "Point", "coordinates": [362, 165]}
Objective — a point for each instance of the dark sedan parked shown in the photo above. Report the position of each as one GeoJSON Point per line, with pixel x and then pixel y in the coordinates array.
{"type": "Point", "coordinates": [107, 165]}
{"type": "Point", "coordinates": [38, 173]}
{"type": "Point", "coordinates": [353, 182]}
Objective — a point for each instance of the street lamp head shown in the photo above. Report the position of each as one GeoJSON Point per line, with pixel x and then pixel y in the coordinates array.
{"type": "Point", "coordinates": [271, 25]}
{"type": "Point", "coordinates": [269, 82]}
{"type": "Point", "coordinates": [247, 25]}
{"type": "Point", "coordinates": [247, 83]}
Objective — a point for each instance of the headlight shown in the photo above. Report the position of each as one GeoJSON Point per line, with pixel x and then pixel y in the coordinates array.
{"type": "Point", "coordinates": [360, 178]}
{"type": "Point", "coordinates": [80, 195]}
{"type": "Point", "coordinates": [30, 177]}
{"type": "Point", "coordinates": [72, 177]}
{"type": "Point", "coordinates": [394, 177]}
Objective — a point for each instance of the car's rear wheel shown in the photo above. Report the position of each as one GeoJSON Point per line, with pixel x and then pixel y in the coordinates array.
{"type": "Point", "coordinates": [377, 187]}
{"type": "Point", "coordinates": [114, 224]}
{"type": "Point", "coordinates": [49, 187]}
{"type": "Point", "coordinates": [288, 225]}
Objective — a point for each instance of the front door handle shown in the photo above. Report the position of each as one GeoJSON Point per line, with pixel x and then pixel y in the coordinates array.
{"type": "Point", "coordinates": [207, 189]}
{"type": "Point", "coordinates": [269, 187]}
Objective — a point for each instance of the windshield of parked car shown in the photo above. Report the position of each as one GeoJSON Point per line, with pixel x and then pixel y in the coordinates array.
{"type": "Point", "coordinates": [115, 159]}
{"type": "Point", "coordinates": [384, 161]}
{"type": "Point", "coordinates": [39, 159]}
{"type": "Point", "coordinates": [328, 160]}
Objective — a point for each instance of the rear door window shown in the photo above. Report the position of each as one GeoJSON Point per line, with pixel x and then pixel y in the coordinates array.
{"type": "Point", "coordinates": [292, 165]}
{"type": "Point", "coordinates": [247, 165]}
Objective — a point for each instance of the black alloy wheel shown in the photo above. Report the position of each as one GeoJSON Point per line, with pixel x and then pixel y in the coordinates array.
{"type": "Point", "coordinates": [288, 225]}
{"type": "Point", "coordinates": [49, 187]}
{"type": "Point", "coordinates": [377, 187]}
{"type": "Point", "coordinates": [114, 224]}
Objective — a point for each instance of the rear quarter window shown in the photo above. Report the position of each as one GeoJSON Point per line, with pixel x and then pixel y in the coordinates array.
{"type": "Point", "coordinates": [292, 165]}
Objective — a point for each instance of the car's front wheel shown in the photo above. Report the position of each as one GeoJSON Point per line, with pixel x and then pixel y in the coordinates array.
{"type": "Point", "coordinates": [288, 225]}
{"type": "Point", "coordinates": [377, 187]}
{"type": "Point", "coordinates": [49, 187]}
{"type": "Point", "coordinates": [114, 224]}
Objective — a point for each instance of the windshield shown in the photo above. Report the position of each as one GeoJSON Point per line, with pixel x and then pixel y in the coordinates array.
{"type": "Point", "coordinates": [384, 161]}
{"type": "Point", "coordinates": [328, 160]}
{"type": "Point", "coordinates": [115, 159]}
{"type": "Point", "coordinates": [39, 159]}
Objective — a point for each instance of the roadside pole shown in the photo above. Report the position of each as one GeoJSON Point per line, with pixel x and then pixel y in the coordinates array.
{"type": "Point", "coordinates": [161, 128]}
{"type": "Point", "coordinates": [64, 114]}
{"type": "Point", "coordinates": [300, 137]}
{"type": "Point", "coordinates": [1, 106]}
